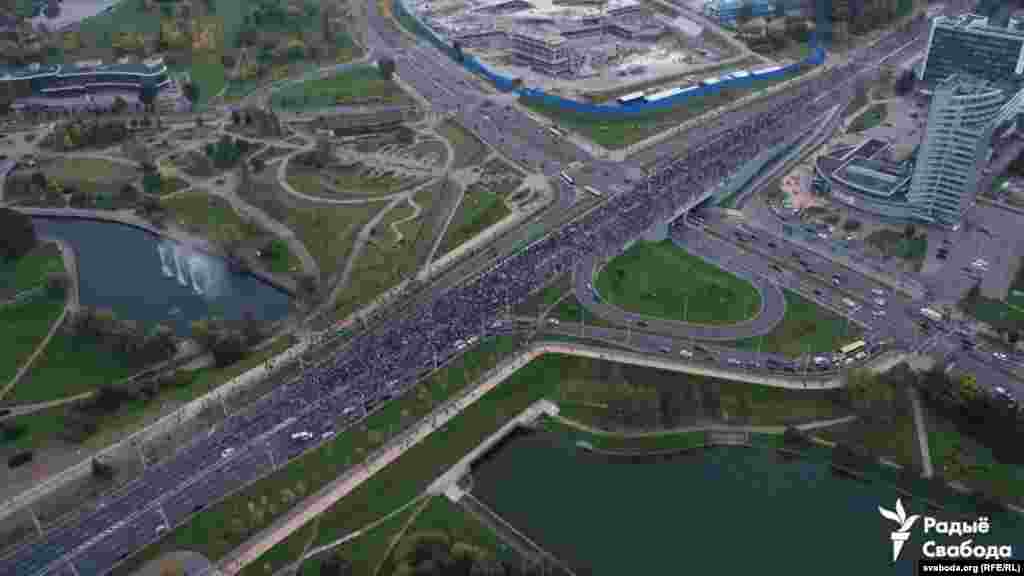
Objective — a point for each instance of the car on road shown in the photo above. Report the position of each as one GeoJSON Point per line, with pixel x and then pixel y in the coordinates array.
{"type": "Point", "coordinates": [642, 323]}
{"type": "Point", "coordinates": [878, 292]}
{"type": "Point", "coordinates": [879, 301]}
{"type": "Point", "coordinates": [878, 313]}
{"type": "Point", "coordinates": [1000, 356]}
{"type": "Point", "coordinates": [686, 353]}
{"type": "Point", "coordinates": [553, 321]}
{"type": "Point", "coordinates": [666, 350]}
{"type": "Point", "coordinates": [734, 362]}
{"type": "Point", "coordinates": [227, 452]}
{"type": "Point", "coordinates": [818, 292]}
{"type": "Point", "coordinates": [303, 435]}
{"type": "Point", "coordinates": [861, 355]}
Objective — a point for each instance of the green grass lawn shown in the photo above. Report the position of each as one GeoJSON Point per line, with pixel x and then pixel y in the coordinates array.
{"type": "Point", "coordinates": [469, 150]}
{"type": "Point", "coordinates": [369, 550]}
{"type": "Point", "coordinates": [24, 327]}
{"type": "Point", "coordinates": [359, 83]}
{"type": "Point", "coordinates": [210, 216]}
{"type": "Point", "coordinates": [896, 441]}
{"type": "Point", "coordinates": [994, 312]}
{"type": "Point", "coordinates": [209, 77]}
{"type": "Point", "coordinates": [770, 406]}
{"type": "Point", "coordinates": [956, 456]}
{"type": "Point", "coordinates": [477, 212]}
{"type": "Point", "coordinates": [615, 133]}
{"type": "Point", "coordinates": [382, 264]}
{"type": "Point", "coordinates": [661, 279]}
{"type": "Point", "coordinates": [69, 366]}
{"type": "Point", "coordinates": [892, 243]}
{"type": "Point", "coordinates": [31, 431]}
{"type": "Point", "coordinates": [570, 310]}
{"type": "Point", "coordinates": [873, 116]}
{"type": "Point", "coordinates": [805, 328]}
{"type": "Point", "coordinates": [219, 528]}
{"type": "Point", "coordinates": [30, 270]}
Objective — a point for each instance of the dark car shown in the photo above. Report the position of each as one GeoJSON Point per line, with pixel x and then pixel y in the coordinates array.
{"type": "Point", "coordinates": [771, 244]}
{"type": "Point", "coordinates": [641, 323]}
{"type": "Point", "coordinates": [789, 368]}
{"type": "Point", "coordinates": [818, 292]}
{"type": "Point", "coordinates": [19, 459]}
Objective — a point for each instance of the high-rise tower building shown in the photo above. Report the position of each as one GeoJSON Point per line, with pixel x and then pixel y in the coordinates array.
{"type": "Point", "coordinates": [956, 145]}
{"type": "Point", "coordinates": [971, 44]}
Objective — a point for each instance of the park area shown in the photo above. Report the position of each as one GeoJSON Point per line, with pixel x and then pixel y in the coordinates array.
{"type": "Point", "coordinates": [806, 328]}
{"type": "Point", "coordinates": [361, 84]}
{"type": "Point", "coordinates": [665, 281]}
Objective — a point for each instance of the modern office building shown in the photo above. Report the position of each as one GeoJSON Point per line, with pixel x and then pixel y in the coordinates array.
{"type": "Point", "coordinates": [65, 80]}
{"type": "Point", "coordinates": [971, 44]}
{"type": "Point", "coordinates": [956, 144]}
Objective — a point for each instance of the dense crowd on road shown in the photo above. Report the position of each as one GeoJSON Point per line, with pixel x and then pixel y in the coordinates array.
{"type": "Point", "coordinates": [377, 366]}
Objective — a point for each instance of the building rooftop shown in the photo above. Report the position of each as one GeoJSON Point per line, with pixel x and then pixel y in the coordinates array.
{"type": "Point", "coordinates": [149, 67]}
{"type": "Point", "coordinates": [974, 22]}
{"type": "Point", "coordinates": [966, 85]}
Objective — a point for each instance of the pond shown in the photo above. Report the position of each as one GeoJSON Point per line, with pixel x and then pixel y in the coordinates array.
{"type": "Point", "coordinates": [728, 510]}
{"type": "Point", "coordinates": [143, 277]}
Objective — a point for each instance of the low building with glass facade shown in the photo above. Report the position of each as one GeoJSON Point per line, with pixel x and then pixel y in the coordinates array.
{"type": "Point", "coordinates": [726, 11]}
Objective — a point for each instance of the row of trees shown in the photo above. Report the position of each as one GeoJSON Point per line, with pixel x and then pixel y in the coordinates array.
{"type": "Point", "coordinates": [126, 338]}
{"type": "Point", "coordinates": [992, 421]}
{"type": "Point", "coordinates": [76, 134]}
{"type": "Point", "coordinates": [17, 236]}
{"type": "Point", "coordinates": [228, 341]}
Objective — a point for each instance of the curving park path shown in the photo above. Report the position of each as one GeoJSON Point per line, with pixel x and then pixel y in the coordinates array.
{"type": "Point", "coordinates": [773, 302]}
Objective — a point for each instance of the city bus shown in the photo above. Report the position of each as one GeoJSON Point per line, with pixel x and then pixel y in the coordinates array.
{"type": "Point", "coordinates": [852, 348]}
{"type": "Point", "coordinates": [568, 179]}
{"type": "Point", "coordinates": [932, 315]}
{"type": "Point", "coordinates": [592, 190]}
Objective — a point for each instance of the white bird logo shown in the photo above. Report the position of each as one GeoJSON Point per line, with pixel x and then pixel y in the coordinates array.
{"type": "Point", "coordinates": [899, 537]}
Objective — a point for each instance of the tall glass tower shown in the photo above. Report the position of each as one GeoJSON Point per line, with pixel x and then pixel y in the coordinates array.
{"type": "Point", "coordinates": [955, 145]}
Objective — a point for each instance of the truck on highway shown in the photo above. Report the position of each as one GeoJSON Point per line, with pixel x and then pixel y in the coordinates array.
{"type": "Point", "coordinates": [932, 315]}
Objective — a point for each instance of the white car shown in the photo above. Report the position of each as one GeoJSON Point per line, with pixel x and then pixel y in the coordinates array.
{"type": "Point", "coordinates": [880, 301]}
{"type": "Point", "coordinates": [878, 292]}
{"type": "Point", "coordinates": [304, 435]}
{"type": "Point", "coordinates": [878, 313]}
{"type": "Point", "coordinates": [327, 434]}
{"type": "Point", "coordinates": [861, 355]}
{"type": "Point", "coordinates": [848, 361]}
{"type": "Point", "coordinates": [1000, 356]}
{"type": "Point", "coordinates": [1001, 391]}
{"type": "Point", "coordinates": [686, 353]}
{"type": "Point", "coordinates": [553, 321]}
{"type": "Point", "coordinates": [227, 452]}
{"type": "Point", "coordinates": [734, 361]}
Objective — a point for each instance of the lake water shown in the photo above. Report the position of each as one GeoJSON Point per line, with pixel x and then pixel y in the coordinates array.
{"type": "Point", "coordinates": [722, 511]}
{"type": "Point", "coordinates": [145, 278]}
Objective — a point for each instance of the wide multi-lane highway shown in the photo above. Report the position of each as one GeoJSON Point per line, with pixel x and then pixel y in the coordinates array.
{"type": "Point", "coordinates": [380, 364]}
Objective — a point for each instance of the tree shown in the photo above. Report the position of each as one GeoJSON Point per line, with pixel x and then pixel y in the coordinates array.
{"type": "Point", "coordinates": [336, 565]}
{"type": "Point", "coordinates": [152, 182]}
{"type": "Point", "coordinates": [102, 470]}
{"type": "Point", "coordinates": [17, 236]}
{"type": "Point", "coordinates": [386, 64]}
{"type": "Point", "coordinates": [191, 92]}
{"type": "Point", "coordinates": [56, 283]}
{"type": "Point", "coordinates": [967, 390]}
{"type": "Point", "coordinates": [868, 395]}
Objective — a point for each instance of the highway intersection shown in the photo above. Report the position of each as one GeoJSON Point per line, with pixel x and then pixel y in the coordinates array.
{"type": "Point", "coordinates": [377, 366]}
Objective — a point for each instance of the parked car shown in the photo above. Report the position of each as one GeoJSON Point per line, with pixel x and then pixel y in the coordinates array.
{"type": "Point", "coordinates": [19, 459]}
{"type": "Point", "coordinates": [686, 353]}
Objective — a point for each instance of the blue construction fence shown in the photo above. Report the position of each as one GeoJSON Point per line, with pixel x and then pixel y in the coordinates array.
{"type": "Point", "coordinates": [507, 84]}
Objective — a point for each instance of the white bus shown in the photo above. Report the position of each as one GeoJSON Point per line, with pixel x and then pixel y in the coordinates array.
{"type": "Point", "coordinates": [634, 98]}
{"type": "Point", "coordinates": [852, 348]}
{"type": "Point", "coordinates": [931, 314]}
{"type": "Point", "coordinates": [592, 190]}
{"type": "Point", "coordinates": [569, 180]}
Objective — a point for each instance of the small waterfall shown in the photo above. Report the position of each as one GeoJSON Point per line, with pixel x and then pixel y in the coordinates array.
{"type": "Point", "coordinates": [162, 250]}
{"type": "Point", "coordinates": [194, 269]}
{"type": "Point", "coordinates": [177, 263]}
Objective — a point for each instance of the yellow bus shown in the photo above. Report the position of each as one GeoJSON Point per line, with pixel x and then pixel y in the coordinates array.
{"type": "Point", "coordinates": [852, 348]}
